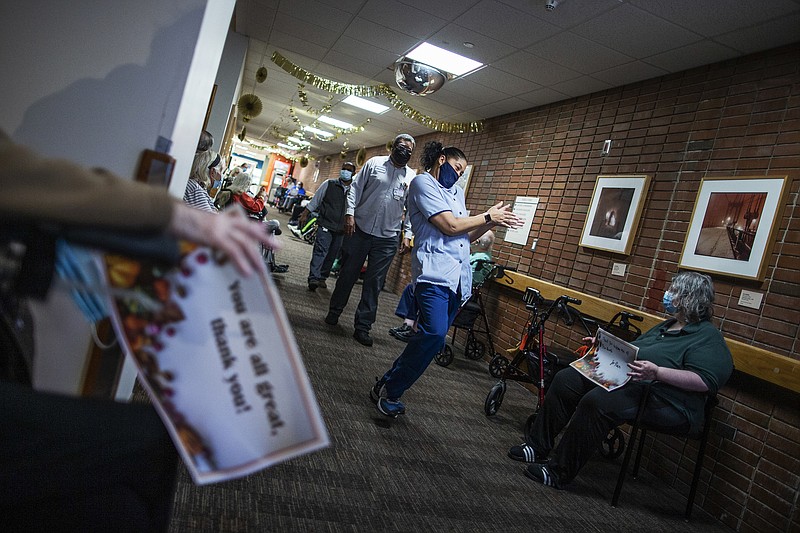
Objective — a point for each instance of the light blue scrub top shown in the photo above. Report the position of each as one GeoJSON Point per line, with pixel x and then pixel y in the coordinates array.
{"type": "Point", "coordinates": [437, 258]}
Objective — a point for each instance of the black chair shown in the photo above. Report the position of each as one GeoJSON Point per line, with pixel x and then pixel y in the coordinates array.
{"type": "Point", "coordinates": [711, 403]}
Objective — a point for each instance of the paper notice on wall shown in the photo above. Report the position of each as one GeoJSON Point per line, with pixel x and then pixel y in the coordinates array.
{"type": "Point", "coordinates": [217, 356]}
{"type": "Point", "coordinates": [524, 208]}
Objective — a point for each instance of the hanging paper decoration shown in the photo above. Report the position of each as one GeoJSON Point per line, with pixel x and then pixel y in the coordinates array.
{"type": "Point", "coordinates": [249, 106]}
{"type": "Point", "coordinates": [261, 75]}
{"type": "Point", "coordinates": [327, 159]}
{"type": "Point", "coordinates": [242, 134]}
{"type": "Point", "coordinates": [369, 91]}
{"type": "Point", "coordinates": [388, 146]}
{"type": "Point", "coordinates": [342, 155]}
{"type": "Point", "coordinates": [361, 156]}
{"type": "Point", "coordinates": [303, 162]}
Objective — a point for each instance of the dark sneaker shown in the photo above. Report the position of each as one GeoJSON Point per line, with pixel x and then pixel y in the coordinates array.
{"type": "Point", "coordinates": [331, 319]}
{"type": "Point", "coordinates": [321, 284]}
{"type": "Point", "coordinates": [392, 408]}
{"type": "Point", "coordinates": [313, 284]}
{"type": "Point", "coordinates": [280, 269]}
{"type": "Point", "coordinates": [524, 453]}
{"type": "Point", "coordinates": [405, 336]}
{"type": "Point", "coordinates": [378, 390]}
{"type": "Point", "coordinates": [399, 329]}
{"type": "Point", "coordinates": [541, 474]}
{"type": "Point", "coordinates": [362, 337]}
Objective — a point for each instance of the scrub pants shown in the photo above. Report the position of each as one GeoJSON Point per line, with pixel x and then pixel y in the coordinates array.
{"type": "Point", "coordinates": [437, 309]}
{"type": "Point", "coordinates": [591, 413]}
{"type": "Point", "coordinates": [407, 306]}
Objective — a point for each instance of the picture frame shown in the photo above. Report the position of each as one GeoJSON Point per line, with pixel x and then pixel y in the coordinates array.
{"type": "Point", "coordinates": [614, 212]}
{"type": "Point", "coordinates": [733, 225]}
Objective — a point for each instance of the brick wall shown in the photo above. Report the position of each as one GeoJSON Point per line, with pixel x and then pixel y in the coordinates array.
{"type": "Point", "coordinates": [746, 113]}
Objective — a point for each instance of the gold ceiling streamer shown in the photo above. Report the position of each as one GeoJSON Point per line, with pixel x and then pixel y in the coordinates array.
{"type": "Point", "coordinates": [373, 91]}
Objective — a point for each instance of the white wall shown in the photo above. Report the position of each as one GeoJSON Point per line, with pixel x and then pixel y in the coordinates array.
{"type": "Point", "coordinates": [228, 81]}
{"type": "Point", "coordinates": [97, 82]}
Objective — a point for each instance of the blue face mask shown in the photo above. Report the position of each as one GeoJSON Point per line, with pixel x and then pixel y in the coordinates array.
{"type": "Point", "coordinates": [345, 175]}
{"type": "Point", "coordinates": [447, 175]}
{"type": "Point", "coordinates": [667, 301]}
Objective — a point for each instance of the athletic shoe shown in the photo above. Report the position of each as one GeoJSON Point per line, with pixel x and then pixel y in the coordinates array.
{"type": "Point", "coordinates": [362, 337]}
{"type": "Point", "coordinates": [399, 329]}
{"type": "Point", "coordinates": [378, 390]}
{"type": "Point", "coordinates": [331, 319]}
{"type": "Point", "coordinates": [321, 284]}
{"type": "Point", "coordinates": [405, 336]}
{"type": "Point", "coordinates": [392, 408]}
{"type": "Point", "coordinates": [524, 453]}
{"type": "Point", "coordinates": [543, 475]}
{"type": "Point", "coordinates": [313, 284]}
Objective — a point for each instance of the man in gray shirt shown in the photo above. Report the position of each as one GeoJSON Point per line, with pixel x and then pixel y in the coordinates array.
{"type": "Point", "coordinates": [373, 220]}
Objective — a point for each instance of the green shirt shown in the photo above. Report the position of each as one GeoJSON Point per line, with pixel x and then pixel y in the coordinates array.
{"type": "Point", "coordinates": [479, 274]}
{"type": "Point", "coordinates": [698, 347]}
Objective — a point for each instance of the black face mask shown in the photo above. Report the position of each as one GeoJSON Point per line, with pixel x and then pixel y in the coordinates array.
{"type": "Point", "coordinates": [401, 154]}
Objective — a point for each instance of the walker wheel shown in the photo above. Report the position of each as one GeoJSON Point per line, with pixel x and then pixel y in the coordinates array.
{"type": "Point", "coordinates": [498, 365]}
{"type": "Point", "coordinates": [445, 356]}
{"type": "Point", "coordinates": [495, 398]}
{"type": "Point", "coordinates": [613, 445]}
{"type": "Point", "coordinates": [474, 349]}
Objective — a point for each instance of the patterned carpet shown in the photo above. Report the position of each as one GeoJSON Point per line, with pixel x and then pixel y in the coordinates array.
{"type": "Point", "coordinates": [442, 467]}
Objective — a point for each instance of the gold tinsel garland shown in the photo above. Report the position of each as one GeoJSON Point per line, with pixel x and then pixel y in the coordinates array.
{"type": "Point", "coordinates": [373, 91]}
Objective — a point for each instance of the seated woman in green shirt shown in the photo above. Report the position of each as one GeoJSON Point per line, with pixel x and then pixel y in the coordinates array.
{"type": "Point", "coordinates": [686, 359]}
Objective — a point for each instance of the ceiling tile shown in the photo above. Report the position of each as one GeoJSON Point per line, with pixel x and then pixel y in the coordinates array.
{"type": "Point", "coordinates": [380, 36]}
{"type": "Point", "coordinates": [314, 11]}
{"type": "Point", "coordinates": [629, 73]}
{"type": "Point", "coordinates": [721, 16]}
{"type": "Point", "coordinates": [464, 94]}
{"type": "Point", "coordinates": [567, 13]}
{"type": "Point", "coordinates": [445, 9]}
{"type": "Point", "coordinates": [348, 63]}
{"type": "Point", "coordinates": [305, 30]}
{"type": "Point", "coordinates": [485, 49]}
{"type": "Point", "coordinates": [581, 86]}
{"type": "Point", "coordinates": [351, 6]}
{"type": "Point", "coordinates": [502, 81]}
{"type": "Point", "coordinates": [693, 55]}
{"type": "Point", "coordinates": [634, 32]}
{"type": "Point", "coordinates": [363, 52]}
{"type": "Point", "coordinates": [506, 24]}
{"type": "Point", "coordinates": [297, 45]}
{"type": "Point", "coordinates": [535, 69]}
{"type": "Point", "coordinates": [543, 96]}
{"type": "Point", "coordinates": [578, 53]}
{"type": "Point", "coordinates": [413, 21]}
{"type": "Point", "coordinates": [778, 32]}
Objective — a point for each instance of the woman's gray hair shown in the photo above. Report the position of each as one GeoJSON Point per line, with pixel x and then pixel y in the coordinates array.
{"type": "Point", "coordinates": [240, 183]}
{"type": "Point", "coordinates": [693, 295]}
{"type": "Point", "coordinates": [200, 171]}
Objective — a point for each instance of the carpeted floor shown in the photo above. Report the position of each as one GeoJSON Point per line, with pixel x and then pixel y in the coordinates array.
{"type": "Point", "coordinates": [442, 467]}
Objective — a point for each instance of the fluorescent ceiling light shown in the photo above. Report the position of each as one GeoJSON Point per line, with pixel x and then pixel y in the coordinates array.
{"type": "Point", "coordinates": [442, 59]}
{"type": "Point", "coordinates": [321, 133]}
{"type": "Point", "coordinates": [335, 123]}
{"type": "Point", "coordinates": [300, 142]}
{"type": "Point", "coordinates": [289, 146]}
{"type": "Point", "coordinates": [363, 103]}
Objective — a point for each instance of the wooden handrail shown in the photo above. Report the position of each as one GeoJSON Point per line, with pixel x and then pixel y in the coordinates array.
{"type": "Point", "coordinates": [774, 368]}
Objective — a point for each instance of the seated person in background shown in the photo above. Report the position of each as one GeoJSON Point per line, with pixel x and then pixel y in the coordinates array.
{"type": "Point", "coordinates": [206, 170]}
{"type": "Point", "coordinates": [82, 464]}
{"type": "Point", "coordinates": [289, 194]}
{"type": "Point", "coordinates": [237, 193]}
{"type": "Point", "coordinates": [407, 307]}
{"type": "Point", "coordinates": [686, 359]}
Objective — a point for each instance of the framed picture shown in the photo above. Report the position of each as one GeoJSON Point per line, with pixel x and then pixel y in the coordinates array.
{"type": "Point", "coordinates": [733, 225]}
{"type": "Point", "coordinates": [614, 213]}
